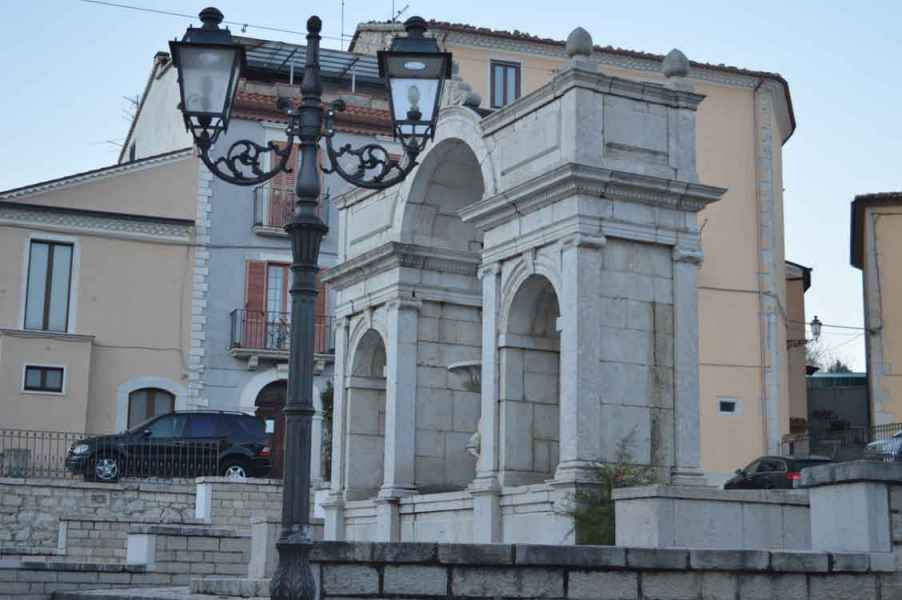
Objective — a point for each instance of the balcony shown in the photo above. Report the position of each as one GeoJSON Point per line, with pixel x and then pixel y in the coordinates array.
{"type": "Point", "coordinates": [273, 207]}
{"type": "Point", "coordinates": [265, 335]}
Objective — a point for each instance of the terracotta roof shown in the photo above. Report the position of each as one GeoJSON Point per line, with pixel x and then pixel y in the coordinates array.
{"type": "Point", "coordinates": [526, 37]}
{"type": "Point", "coordinates": [355, 119]}
{"type": "Point", "coordinates": [861, 202]}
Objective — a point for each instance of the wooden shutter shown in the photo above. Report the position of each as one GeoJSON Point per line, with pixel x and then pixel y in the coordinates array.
{"type": "Point", "coordinates": [282, 189]}
{"type": "Point", "coordinates": [321, 320]}
{"type": "Point", "coordinates": [255, 304]}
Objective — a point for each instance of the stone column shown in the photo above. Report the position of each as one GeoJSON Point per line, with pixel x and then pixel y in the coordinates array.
{"type": "Point", "coordinates": [485, 490]}
{"type": "Point", "coordinates": [400, 412]}
{"type": "Point", "coordinates": [334, 506]}
{"type": "Point", "coordinates": [316, 442]}
{"type": "Point", "coordinates": [687, 459]}
{"type": "Point", "coordinates": [580, 416]}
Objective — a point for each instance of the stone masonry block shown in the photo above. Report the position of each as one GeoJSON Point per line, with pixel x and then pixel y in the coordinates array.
{"type": "Point", "coordinates": [419, 580]}
{"type": "Point", "coordinates": [800, 562]}
{"type": "Point", "coordinates": [571, 556]}
{"type": "Point", "coordinates": [203, 543]}
{"type": "Point", "coordinates": [771, 587]}
{"type": "Point", "coordinates": [405, 552]}
{"type": "Point", "coordinates": [475, 554]}
{"type": "Point", "coordinates": [719, 586]}
{"type": "Point", "coordinates": [849, 563]}
{"type": "Point", "coordinates": [671, 586]}
{"type": "Point", "coordinates": [349, 580]}
{"type": "Point", "coordinates": [656, 558]}
{"type": "Point", "coordinates": [843, 587]}
{"type": "Point", "coordinates": [729, 560]}
{"type": "Point", "coordinates": [512, 583]}
{"type": "Point", "coordinates": [603, 585]}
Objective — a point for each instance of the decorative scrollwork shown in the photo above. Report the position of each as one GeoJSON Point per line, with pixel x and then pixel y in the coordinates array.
{"type": "Point", "coordinates": [243, 162]}
{"type": "Point", "coordinates": [375, 168]}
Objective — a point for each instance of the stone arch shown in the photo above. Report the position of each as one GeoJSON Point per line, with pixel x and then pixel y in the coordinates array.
{"type": "Point", "coordinates": [455, 171]}
{"type": "Point", "coordinates": [538, 265]}
{"type": "Point", "coordinates": [365, 426]}
{"type": "Point", "coordinates": [529, 367]}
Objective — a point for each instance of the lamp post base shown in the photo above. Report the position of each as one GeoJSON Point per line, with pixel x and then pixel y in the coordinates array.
{"type": "Point", "coordinates": [293, 578]}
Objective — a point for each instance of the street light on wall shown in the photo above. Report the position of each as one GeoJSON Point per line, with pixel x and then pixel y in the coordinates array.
{"type": "Point", "coordinates": [815, 327]}
{"type": "Point", "coordinates": [209, 64]}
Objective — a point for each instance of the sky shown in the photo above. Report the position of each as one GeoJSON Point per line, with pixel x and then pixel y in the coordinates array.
{"type": "Point", "coordinates": [70, 64]}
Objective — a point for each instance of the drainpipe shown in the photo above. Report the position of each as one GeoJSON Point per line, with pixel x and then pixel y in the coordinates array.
{"type": "Point", "coordinates": [762, 324]}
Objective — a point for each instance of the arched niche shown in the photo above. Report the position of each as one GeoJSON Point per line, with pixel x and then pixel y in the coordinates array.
{"type": "Point", "coordinates": [366, 418]}
{"type": "Point", "coordinates": [529, 367]}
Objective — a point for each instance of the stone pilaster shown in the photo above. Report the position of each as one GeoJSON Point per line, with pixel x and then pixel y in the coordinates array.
{"type": "Point", "coordinates": [579, 327]}
{"type": "Point", "coordinates": [687, 454]}
{"type": "Point", "coordinates": [487, 466]}
{"type": "Point", "coordinates": [339, 408]}
{"type": "Point", "coordinates": [400, 398]}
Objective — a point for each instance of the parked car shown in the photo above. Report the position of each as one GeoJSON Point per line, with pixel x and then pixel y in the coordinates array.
{"type": "Point", "coordinates": [772, 473]}
{"type": "Point", "coordinates": [178, 444]}
{"type": "Point", "coordinates": [889, 450]}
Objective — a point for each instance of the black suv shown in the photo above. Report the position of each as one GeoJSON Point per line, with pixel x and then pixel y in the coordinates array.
{"type": "Point", "coordinates": [178, 444]}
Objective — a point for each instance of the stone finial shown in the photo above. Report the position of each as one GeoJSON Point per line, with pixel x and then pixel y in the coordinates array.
{"type": "Point", "coordinates": [675, 64]}
{"type": "Point", "coordinates": [579, 43]}
{"type": "Point", "coordinates": [473, 99]}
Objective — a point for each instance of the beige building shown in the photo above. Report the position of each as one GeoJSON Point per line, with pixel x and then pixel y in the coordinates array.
{"type": "Point", "coordinates": [742, 125]}
{"type": "Point", "coordinates": [876, 249]}
{"type": "Point", "coordinates": [95, 294]}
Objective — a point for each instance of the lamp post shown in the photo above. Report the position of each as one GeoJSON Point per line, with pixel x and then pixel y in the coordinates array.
{"type": "Point", "coordinates": [209, 66]}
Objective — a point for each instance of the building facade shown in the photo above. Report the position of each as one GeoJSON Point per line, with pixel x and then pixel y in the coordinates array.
{"type": "Point", "coordinates": [876, 244]}
{"type": "Point", "coordinates": [741, 127]}
{"type": "Point", "coordinates": [95, 292]}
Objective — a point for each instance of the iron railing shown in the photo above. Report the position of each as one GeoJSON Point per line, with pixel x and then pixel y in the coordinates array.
{"type": "Point", "coordinates": [268, 330]}
{"type": "Point", "coordinates": [34, 454]}
{"type": "Point", "coordinates": [274, 205]}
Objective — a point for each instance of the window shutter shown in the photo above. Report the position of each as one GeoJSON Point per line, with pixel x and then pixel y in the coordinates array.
{"type": "Point", "coordinates": [321, 320]}
{"type": "Point", "coordinates": [282, 189]}
{"type": "Point", "coordinates": [255, 303]}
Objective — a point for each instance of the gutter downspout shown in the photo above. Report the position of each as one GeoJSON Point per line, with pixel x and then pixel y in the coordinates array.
{"type": "Point", "coordinates": [762, 326]}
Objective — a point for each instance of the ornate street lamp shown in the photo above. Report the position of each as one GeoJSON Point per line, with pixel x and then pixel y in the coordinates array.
{"type": "Point", "coordinates": [209, 66]}
{"type": "Point", "coordinates": [815, 327]}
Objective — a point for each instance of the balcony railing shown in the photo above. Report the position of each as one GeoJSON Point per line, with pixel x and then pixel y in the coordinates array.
{"type": "Point", "coordinates": [274, 204]}
{"type": "Point", "coordinates": [271, 331]}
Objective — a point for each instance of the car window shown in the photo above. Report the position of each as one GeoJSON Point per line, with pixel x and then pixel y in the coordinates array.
{"type": "Point", "coordinates": [770, 466]}
{"type": "Point", "coordinates": [205, 426]}
{"type": "Point", "coordinates": [804, 464]}
{"type": "Point", "coordinates": [252, 426]}
{"type": "Point", "coordinates": [753, 467]}
{"type": "Point", "coordinates": [170, 426]}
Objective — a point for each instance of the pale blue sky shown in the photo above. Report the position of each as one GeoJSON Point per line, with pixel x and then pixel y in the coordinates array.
{"type": "Point", "coordinates": [69, 63]}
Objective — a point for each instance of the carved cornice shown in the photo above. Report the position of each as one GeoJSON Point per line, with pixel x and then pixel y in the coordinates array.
{"type": "Point", "coordinates": [396, 255]}
{"type": "Point", "coordinates": [689, 255]}
{"type": "Point", "coordinates": [96, 222]}
{"type": "Point", "coordinates": [574, 179]}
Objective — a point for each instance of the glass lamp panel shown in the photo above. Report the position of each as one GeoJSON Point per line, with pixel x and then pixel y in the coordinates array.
{"type": "Point", "coordinates": [419, 66]}
{"type": "Point", "coordinates": [414, 95]}
{"type": "Point", "coordinates": [207, 77]}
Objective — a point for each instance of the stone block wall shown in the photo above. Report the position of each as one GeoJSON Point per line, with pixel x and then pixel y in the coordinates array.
{"type": "Point", "coordinates": [224, 502]}
{"type": "Point", "coordinates": [361, 570]}
{"type": "Point", "coordinates": [636, 348]}
{"type": "Point", "coordinates": [39, 580]}
{"type": "Point", "coordinates": [448, 406]}
{"type": "Point", "coordinates": [189, 551]}
{"type": "Point", "coordinates": [97, 538]}
{"type": "Point", "coordinates": [30, 510]}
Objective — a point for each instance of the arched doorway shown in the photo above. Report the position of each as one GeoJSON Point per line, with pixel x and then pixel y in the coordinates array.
{"type": "Point", "coordinates": [529, 355]}
{"type": "Point", "coordinates": [366, 418]}
{"type": "Point", "coordinates": [269, 404]}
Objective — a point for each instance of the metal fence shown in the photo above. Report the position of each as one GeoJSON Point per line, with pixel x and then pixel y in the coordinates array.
{"type": "Point", "coordinates": [841, 444]}
{"type": "Point", "coordinates": [53, 454]}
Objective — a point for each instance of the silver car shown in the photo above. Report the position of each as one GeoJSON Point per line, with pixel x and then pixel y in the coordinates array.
{"type": "Point", "coordinates": [889, 450]}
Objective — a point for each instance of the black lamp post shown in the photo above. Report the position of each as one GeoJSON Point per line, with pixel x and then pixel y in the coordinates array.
{"type": "Point", "coordinates": [209, 65]}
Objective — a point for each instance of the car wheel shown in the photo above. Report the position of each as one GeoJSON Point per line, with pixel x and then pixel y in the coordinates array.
{"type": "Point", "coordinates": [234, 469]}
{"type": "Point", "coordinates": [105, 468]}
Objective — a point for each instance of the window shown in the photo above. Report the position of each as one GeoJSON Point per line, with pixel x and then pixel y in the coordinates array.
{"type": "Point", "coordinates": [206, 426]}
{"type": "Point", "coordinates": [728, 406]}
{"type": "Point", "coordinates": [505, 83]}
{"type": "Point", "coordinates": [170, 426]}
{"type": "Point", "coordinates": [47, 294]}
{"type": "Point", "coordinates": [43, 379]}
{"type": "Point", "coordinates": [148, 403]}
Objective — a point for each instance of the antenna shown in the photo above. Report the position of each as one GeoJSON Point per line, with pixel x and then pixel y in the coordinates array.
{"type": "Point", "coordinates": [342, 19]}
{"type": "Point", "coordinates": [395, 15]}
